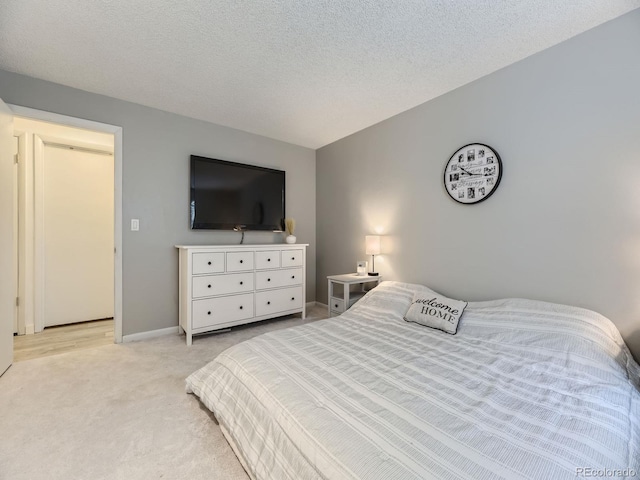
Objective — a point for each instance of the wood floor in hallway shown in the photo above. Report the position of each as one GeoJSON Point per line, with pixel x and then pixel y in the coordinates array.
{"type": "Point", "coordinates": [62, 339]}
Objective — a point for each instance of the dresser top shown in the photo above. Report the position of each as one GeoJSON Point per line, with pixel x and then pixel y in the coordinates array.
{"type": "Point", "coordinates": [245, 246]}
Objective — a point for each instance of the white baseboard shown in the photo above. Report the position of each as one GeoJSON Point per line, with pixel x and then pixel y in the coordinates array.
{"type": "Point", "coordinates": [29, 329]}
{"type": "Point", "coordinates": [136, 337]}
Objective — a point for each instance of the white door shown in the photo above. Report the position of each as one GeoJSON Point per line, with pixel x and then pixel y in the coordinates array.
{"type": "Point", "coordinates": [7, 287]}
{"type": "Point", "coordinates": [77, 235]}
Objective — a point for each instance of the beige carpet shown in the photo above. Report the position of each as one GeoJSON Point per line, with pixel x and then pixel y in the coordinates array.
{"type": "Point", "coordinates": [118, 412]}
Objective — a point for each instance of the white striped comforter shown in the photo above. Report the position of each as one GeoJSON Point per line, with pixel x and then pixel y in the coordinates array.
{"type": "Point", "coordinates": [524, 390]}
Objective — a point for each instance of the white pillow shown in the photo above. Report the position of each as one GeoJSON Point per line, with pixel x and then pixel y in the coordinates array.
{"type": "Point", "coordinates": [436, 311]}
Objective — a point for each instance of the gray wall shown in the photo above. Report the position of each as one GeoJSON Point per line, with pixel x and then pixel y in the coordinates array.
{"type": "Point", "coordinates": [563, 226]}
{"type": "Point", "coordinates": [156, 149]}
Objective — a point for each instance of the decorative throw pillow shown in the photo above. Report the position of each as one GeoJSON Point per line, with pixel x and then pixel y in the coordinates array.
{"type": "Point", "coordinates": [436, 311]}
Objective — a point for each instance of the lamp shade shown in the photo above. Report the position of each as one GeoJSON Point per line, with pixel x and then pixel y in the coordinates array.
{"type": "Point", "coordinates": [372, 244]}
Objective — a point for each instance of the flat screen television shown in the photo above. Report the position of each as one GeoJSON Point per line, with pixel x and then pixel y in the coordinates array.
{"type": "Point", "coordinates": [234, 196]}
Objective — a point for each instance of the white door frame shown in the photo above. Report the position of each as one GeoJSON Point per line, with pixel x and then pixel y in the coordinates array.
{"type": "Point", "coordinates": [39, 259]}
{"type": "Point", "coordinates": [17, 251]}
{"type": "Point", "coordinates": [25, 235]}
{"type": "Point", "coordinates": [34, 114]}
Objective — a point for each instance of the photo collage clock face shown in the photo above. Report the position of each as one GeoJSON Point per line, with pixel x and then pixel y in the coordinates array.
{"type": "Point", "coordinates": [473, 173]}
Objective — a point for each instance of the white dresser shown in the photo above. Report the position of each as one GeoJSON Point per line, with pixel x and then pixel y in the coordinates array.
{"type": "Point", "coordinates": [226, 285]}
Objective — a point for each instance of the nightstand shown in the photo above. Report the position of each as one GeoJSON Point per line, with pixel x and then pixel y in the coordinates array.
{"type": "Point", "coordinates": [345, 290]}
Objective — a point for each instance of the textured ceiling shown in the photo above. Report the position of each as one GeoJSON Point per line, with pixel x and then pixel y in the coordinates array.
{"type": "Point", "coordinates": [304, 71]}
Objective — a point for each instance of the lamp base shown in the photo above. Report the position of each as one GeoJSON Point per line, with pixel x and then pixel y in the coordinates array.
{"type": "Point", "coordinates": [373, 274]}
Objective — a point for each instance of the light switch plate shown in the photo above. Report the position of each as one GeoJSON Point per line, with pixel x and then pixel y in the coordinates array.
{"type": "Point", "coordinates": [135, 224]}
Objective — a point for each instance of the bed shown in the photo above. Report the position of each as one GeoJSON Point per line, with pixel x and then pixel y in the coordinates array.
{"type": "Point", "coordinates": [525, 389]}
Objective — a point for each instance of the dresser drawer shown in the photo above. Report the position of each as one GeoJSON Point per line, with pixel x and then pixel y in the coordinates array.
{"type": "Point", "coordinates": [239, 261]}
{"type": "Point", "coordinates": [269, 259]}
{"type": "Point", "coordinates": [337, 304]}
{"type": "Point", "coordinates": [278, 278]}
{"type": "Point", "coordinates": [272, 301]}
{"type": "Point", "coordinates": [292, 258]}
{"type": "Point", "coordinates": [210, 285]}
{"type": "Point", "coordinates": [208, 263]}
{"type": "Point", "coordinates": [215, 311]}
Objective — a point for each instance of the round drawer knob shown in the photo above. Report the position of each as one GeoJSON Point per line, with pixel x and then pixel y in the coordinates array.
{"type": "Point", "coordinates": [241, 283]}
{"type": "Point", "coordinates": [293, 258]}
{"type": "Point", "coordinates": [208, 263]}
{"type": "Point", "coordinates": [293, 276]}
{"type": "Point", "coordinates": [208, 286]}
{"type": "Point", "coordinates": [240, 307]}
{"type": "Point", "coordinates": [268, 259]}
{"type": "Point", "coordinates": [268, 279]}
{"type": "Point", "coordinates": [208, 313]}
{"type": "Point", "coordinates": [336, 305]}
{"type": "Point", "coordinates": [293, 298]}
{"type": "Point", "coordinates": [241, 261]}
{"type": "Point", "coordinates": [268, 303]}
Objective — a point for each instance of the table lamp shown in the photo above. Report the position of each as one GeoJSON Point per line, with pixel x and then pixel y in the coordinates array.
{"type": "Point", "coordinates": [372, 247]}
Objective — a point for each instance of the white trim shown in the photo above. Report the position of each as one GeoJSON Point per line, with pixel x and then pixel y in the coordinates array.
{"type": "Point", "coordinates": [38, 233]}
{"type": "Point", "coordinates": [26, 324]}
{"type": "Point", "coordinates": [60, 141]}
{"type": "Point", "coordinates": [117, 161]}
{"type": "Point", "coordinates": [35, 114]}
{"type": "Point", "coordinates": [161, 332]}
{"type": "Point", "coordinates": [18, 327]}
{"type": "Point", "coordinates": [25, 234]}
{"type": "Point", "coordinates": [136, 337]}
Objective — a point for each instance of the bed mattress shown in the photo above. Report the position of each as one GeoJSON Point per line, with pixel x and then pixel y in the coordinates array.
{"type": "Point", "coordinates": [525, 389]}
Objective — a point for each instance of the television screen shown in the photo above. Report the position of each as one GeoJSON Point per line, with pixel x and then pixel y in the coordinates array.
{"type": "Point", "coordinates": [233, 196]}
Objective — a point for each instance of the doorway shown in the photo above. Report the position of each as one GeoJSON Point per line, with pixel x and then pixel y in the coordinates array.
{"type": "Point", "coordinates": [71, 174]}
{"type": "Point", "coordinates": [63, 278]}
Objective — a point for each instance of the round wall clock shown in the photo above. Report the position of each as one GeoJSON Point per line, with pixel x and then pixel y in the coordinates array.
{"type": "Point", "coordinates": [473, 173]}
